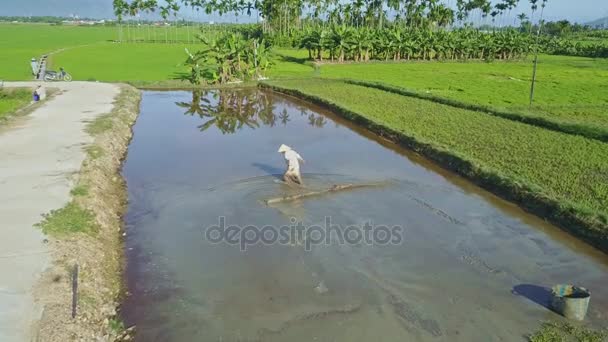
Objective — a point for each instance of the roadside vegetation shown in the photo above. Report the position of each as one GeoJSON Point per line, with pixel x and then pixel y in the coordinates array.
{"type": "Point", "coordinates": [12, 100]}
{"type": "Point", "coordinates": [100, 125]}
{"type": "Point", "coordinates": [555, 175]}
{"type": "Point", "coordinates": [68, 220]}
{"type": "Point", "coordinates": [567, 332]}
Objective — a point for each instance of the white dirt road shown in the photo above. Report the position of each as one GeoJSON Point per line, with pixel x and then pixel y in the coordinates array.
{"type": "Point", "coordinates": [39, 155]}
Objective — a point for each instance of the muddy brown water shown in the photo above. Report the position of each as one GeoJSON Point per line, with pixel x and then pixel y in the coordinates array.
{"type": "Point", "coordinates": [470, 266]}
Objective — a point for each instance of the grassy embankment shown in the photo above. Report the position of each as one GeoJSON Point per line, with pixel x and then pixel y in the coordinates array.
{"type": "Point", "coordinates": [562, 332]}
{"type": "Point", "coordinates": [555, 175]}
{"type": "Point", "coordinates": [12, 100]}
{"type": "Point", "coordinates": [88, 231]}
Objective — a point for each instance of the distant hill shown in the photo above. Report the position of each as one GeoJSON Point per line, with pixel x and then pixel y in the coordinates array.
{"type": "Point", "coordinates": [61, 8]}
{"type": "Point", "coordinates": [599, 23]}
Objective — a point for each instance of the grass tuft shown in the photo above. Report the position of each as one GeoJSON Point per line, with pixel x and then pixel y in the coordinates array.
{"type": "Point", "coordinates": [116, 325]}
{"type": "Point", "coordinates": [94, 151]}
{"type": "Point", "coordinates": [68, 220]}
{"type": "Point", "coordinates": [11, 100]}
{"type": "Point", "coordinates": [100, 124]}
{"type": "Point", "coordinates": [80, 190]}
{"type": "Point", "coordinates": [566, 332]}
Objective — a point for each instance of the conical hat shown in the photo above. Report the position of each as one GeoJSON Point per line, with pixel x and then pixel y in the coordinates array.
{"type": "Point", "coordinates": [284, 148]}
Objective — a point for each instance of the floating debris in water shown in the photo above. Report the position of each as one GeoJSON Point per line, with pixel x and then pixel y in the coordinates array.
{"type": "Point", "coordinates": [321, 288]}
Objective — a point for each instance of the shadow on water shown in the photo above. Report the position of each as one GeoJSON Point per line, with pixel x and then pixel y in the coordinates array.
{"type": "Point", "coordinates": [270, 170]}
{"type": "Point", "coordinates": [537, 294]}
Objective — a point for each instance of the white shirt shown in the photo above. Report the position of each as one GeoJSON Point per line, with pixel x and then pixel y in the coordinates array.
{"type": "Point", "coordinates": [293, 160]}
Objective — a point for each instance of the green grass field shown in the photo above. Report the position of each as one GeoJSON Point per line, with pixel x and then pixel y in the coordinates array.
{"type": "Point", "coordinates": [561, 81]}
{"type": "Point", "coordinates": [113, 62]}
{"type": "Point", "coordinates": [11, 100]}
{"type": "Point", "coordinates": [569, 90]}
{"type": "Point", "coordinates": [90, 53]}
{"type": "Point", "coordinates": [21, 42]}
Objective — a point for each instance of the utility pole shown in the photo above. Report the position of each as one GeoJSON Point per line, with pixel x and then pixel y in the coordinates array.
{"type": "Point", "coordinates": [540, 27]}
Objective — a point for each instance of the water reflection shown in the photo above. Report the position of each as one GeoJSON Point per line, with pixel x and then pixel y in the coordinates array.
{"type": "Point", "coordinates": [462, 253]}
{"type": "Point", "coordinates": [230, 110]}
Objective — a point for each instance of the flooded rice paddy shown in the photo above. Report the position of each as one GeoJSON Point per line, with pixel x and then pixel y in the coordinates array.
{"type": "Point", "coordinates": [468, 266]}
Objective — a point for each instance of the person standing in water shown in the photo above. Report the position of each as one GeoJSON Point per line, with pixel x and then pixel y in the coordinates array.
{"type": "Point", "coordinates": [293, 160]}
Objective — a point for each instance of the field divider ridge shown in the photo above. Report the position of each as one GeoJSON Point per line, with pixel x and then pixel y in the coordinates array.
{"type": "Point", "coordinates": [568, 128]}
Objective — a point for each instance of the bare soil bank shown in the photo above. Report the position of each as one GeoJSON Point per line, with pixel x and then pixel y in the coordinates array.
{"type": "Point", "coordinates": [99, 255]}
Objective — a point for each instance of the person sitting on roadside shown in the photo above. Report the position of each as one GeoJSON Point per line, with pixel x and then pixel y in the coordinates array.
{"type": "Point", "coordinates": [37, 93]}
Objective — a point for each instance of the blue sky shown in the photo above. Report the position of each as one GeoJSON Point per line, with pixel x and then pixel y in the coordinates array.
{"type": "Point", "coordinates": [579, 10]}
{"type": "Point", "coordinates": [573, 10]}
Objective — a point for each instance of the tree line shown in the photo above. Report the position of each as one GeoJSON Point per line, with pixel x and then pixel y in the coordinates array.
{"type": "Point", "coordinates": [341, 43]}
{"type": "Point", "coordinates": [364, 30]}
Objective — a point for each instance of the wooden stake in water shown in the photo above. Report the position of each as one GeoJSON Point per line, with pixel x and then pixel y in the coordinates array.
{"type": "Point", "coordinates": [333, 189]}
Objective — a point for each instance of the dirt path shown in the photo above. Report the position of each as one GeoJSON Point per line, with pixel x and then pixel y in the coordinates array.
{"type": "Point", "coordinates": [38, 157]}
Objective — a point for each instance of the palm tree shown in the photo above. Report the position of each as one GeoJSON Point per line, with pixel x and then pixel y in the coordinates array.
{"type": "Point", "coordinates": [441, 15]}
{"type": "Point", "coordinates": [522, 17]}
{"type": "Point", "coordinates": [534, 7]}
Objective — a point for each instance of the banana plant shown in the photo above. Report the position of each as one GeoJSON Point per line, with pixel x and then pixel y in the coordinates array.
{"type": "Point", "coordinates": [342, 41]}
{"type": "Point", "coordinates": [229, 57]}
